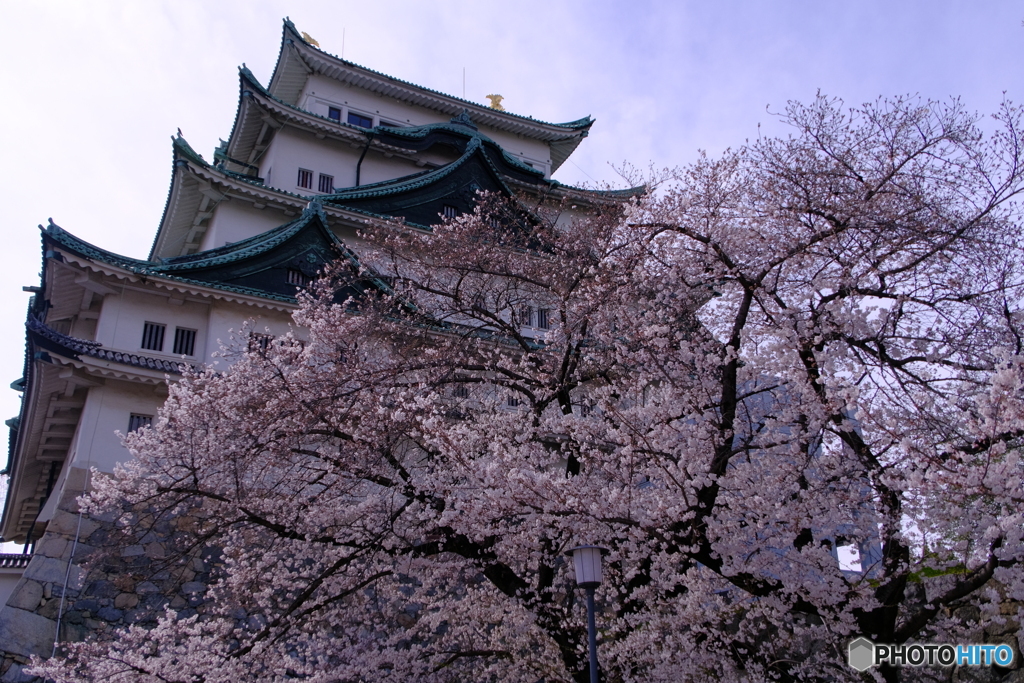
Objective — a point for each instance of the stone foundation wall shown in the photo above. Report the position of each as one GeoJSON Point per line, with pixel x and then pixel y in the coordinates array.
{"type": "Point", "coordinates": [127, 586]}
{"type": "Point", "coordinates": [135, 583]}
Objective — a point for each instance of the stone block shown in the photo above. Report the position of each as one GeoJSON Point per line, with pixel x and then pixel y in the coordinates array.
{"type": "Point", "coordinates": [1008, 626]}
{"type": "Point", "coordinates": [132, 551]}
{"type": "Point", "coordinates": [83, 550]}
{"type": "Point", "coordinates": [155, 551]}
{"type": "Point", "coordinates": [76, 579]}
{"type": "Point", "coordinates": [193, 587]}
{"type": "Point", "coordinates": [73, 633]}
{"type": "Point", "coordinates": [126, 582]}
{"type": "Point", "coordinates": [147, 587]}
{"type": "Point", "coordinates": [87, 605]}
{"type": "Point", "coordinates": [26, 633]}
{"type": "Point", "coordinates": [154, 602]}
{"type": "Point", "coordinates": [46, 569]}
{"type": "Point", "coordinates": [16, 674]}
{"type": "Point", "coordinates": [53, 546]}
{"type": "Point", "coordinates": [63, 524]}
{"type": "Point", "coordinates": [67, 524]}
{"type": "Point", "coordinates": [26, 595]}
{"type": "Point", "coordinates": [110, 614]}
{"type": "Point", "coordinates": [103, 589]}
{"type": "Point", "coordinates": [968, 614]}
{"type": "Point", "coordinates": [99, 538]}
{"type": "Point", "coordinates": [50, 609]}
{"type": "Point", "coordinates": [126, 601]}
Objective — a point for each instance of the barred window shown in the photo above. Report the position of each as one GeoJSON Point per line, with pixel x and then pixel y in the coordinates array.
{"type": "Point", "coordinates": [153, 336]}
{"type": "Point", "coordinates": [297, 278]}
{"type": "Point", "coordinates": [326, 183]}
{"type": "Point", "coordinates": [184, 341]}
{"type": "Point", "coordinates": [513, 401]}
{"type": "Point", "coordinates": [259, 342]}
{"type": "Point", "coordinates": [460, 391]}
{"type": "Point", "coordinates": [305, 178]}
{"type": "Point", "coordinates": [450, 211]}
{"type": "Point", "coordinates": [541, 321]}
{"type": "Point", "coordinates": [137, 422]}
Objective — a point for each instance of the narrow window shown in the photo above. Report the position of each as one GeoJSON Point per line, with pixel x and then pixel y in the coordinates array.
{"type": "Point", "coordinates": [184, 341]}
{"type": "Point", "coordinates": [450, 211]}
{"type": "Point", "coordinates": [512, 401]}
{"type": "Point", "coordinates": [305, 178]}
{"type": "Point", "coordinates": [527, 316]}
{"type": "Point", "coordinates": [297, 278]}
{"type": "Point", "coordinates": [360, 120]}
{"type": "Point", "coordinates": [326, 183]}
{"type": "Point", "coordinates": [542, 319]}
{"type": "Point", "coordinates": [153, 336]}
{"type": "Point", "coordinates": [460, 391]}
{"type": "Point", "coordinates": [334, 113]}
{"type": "Point", "coordinates": [137, 422]}
{"type": "Point", "coordinates": [259, 343]}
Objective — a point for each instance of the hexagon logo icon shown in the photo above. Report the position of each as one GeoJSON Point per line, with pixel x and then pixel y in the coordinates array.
{"type": "Point", "coordinates": [861, 654]}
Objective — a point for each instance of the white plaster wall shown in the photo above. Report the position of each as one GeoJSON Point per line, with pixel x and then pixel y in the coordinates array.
{"type": "Point", "coordinates": [226, 320]}
{"type": "Point", "coordinates": [322, 92]}
{"type": "Point", "coordinates": [124, 314]}
{"type": "Point", "coordinates": [234, 221]}
{"type": "Point", "coordinates": [377, 168]}
{"type": "Point", "coordinates": [106, 412]}
{"type": "Point", "coordinates": [8, 581]}
{"type": "Point", "coordinates": [291, 150]}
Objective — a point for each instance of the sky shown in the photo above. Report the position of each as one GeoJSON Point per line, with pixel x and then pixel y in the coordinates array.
{"type": "Point", "coordinates": [94, 90]}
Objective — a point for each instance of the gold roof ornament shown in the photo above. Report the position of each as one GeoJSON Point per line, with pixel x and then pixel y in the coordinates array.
{"type": "Point", "coordinates": [310, 39]}
{"type": "Point", "coordinates": [496, 102]}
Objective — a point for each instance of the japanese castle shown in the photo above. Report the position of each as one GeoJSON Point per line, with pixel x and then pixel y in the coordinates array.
{"type": "Point", "coordinates": [326, 149]}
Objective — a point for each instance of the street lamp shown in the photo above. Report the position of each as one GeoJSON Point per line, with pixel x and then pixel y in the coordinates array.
{"type": "Point", "coordinates": [587, 560]}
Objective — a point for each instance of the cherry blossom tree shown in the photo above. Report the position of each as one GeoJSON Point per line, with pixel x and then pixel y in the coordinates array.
{"type": "Point", "coordinates": [808, 344]}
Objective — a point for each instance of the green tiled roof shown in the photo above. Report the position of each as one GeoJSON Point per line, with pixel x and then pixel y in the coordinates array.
{"type": "Point", "coordinates": [408, 132]}
{"type": "Point", "coordinates": [248, 76]}
{"type": "Point", "coordinates": [174, 269]}
{"type": "Point", "coordinates": [578, 124]}
{"type": "Point", "coordinates": [403, 184]}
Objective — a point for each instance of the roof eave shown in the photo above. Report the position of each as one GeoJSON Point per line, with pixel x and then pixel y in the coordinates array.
{"type": "Point", "coordinates": [297, 59]}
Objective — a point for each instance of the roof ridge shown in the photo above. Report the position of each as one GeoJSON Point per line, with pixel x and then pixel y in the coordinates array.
{"type": "Point", "coordinates": [578, 124]}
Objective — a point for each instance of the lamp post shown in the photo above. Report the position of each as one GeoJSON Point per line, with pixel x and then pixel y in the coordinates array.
{"type": "Point", "coordinates": [587, 560]}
